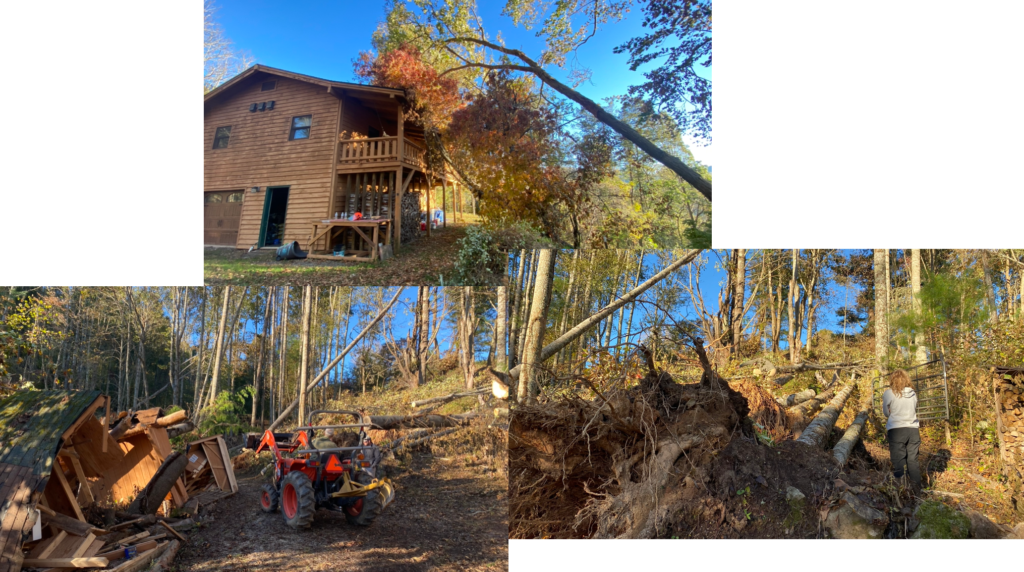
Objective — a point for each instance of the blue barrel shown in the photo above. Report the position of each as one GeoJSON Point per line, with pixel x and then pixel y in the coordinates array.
{"type": "Point", "coordinates": [290, 251]}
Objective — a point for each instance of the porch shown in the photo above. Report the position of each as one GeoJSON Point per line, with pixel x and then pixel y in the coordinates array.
{"type": "Point", "coordinates": [380, 152]}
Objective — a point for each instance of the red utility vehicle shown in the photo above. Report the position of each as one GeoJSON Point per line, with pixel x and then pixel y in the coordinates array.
{"type": "Point", "coordinates": [306, 477]}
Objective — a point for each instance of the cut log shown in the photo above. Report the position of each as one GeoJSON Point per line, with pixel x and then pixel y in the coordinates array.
{"type": "Point", "coordinates": [121, 428]}
{"type": "Point", "coordinates": [798, 414]}
{"type": "Point", "coordinates": [414, 442]}
{"type": "Point", "coordinates": [172, 419]}
{"type": "Point", "coordinates": [148, 501]}
{"type": "Point", "coordinates": [179, 429]}
{"type": "Point", "coordinates": [816, 434]}
{"type": "Point", "coordinates": [413, 421]}
{"type": "Point", "coordinates": [811, 366]}
{"type": "Point", "coordinates": [841, 451]}
{"type": "Point", "coordinates": [451, 397]}
{"type": "Point", "coordinates": [783, 380]}
{"type": "Point", "coordinates": [167, 559]}
{"type": "Point", "coordinates": [91, 562]}
{"type": "Point", "coordinates": [795, 398]}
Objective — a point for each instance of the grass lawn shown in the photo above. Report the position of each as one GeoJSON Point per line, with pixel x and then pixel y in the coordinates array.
{"type": "Point", "coordinates": [422, 262]}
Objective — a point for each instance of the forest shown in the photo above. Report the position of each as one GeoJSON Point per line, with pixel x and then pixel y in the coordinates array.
{"type": "Point", "coordinates": [677, 394]}
{"type": "Point", "coordinates": [231, 361]}
{"type": "Point", "coordinates": [543, 160]}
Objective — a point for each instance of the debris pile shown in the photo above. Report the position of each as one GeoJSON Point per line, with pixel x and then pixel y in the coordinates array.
{"type": "Point", "coordinates": [1008, 385]}
{"type": "Point", "coordinates": [83, 488]}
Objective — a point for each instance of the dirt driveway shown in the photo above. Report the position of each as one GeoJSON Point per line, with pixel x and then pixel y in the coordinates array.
{"type": "Point", "coordinates": [446, 516]}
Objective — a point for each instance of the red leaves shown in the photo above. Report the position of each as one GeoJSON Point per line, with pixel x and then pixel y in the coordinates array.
{"type": "Point", "coordinates": [433, 98]}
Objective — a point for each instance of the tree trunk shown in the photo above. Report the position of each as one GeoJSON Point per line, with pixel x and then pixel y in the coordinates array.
{"type": "Point", "coordinates": [738, 289]}
{"type": "Point", "coordinates": [307, 302]}
{"type": "Point", "coordinates": [816, 434]}
{"type": "Point", "coordinates": [467, 325]}
{"type": "Point", "coordinates": [413, 421]}
{"type": "Point", "coordinates": [501, 352]}
{"type": "Point", "coordinates": [327, 369]}
{"type": "Point", "coordinates": [921, 355]}
{"type": "Point", "coordinates": [795, 398]}
{"type": "Point", "coordinates": [881, 310]}
{"type": "Point", "coordinates": [794, 327]}
{"type": "Point", "coordinates": [258, 378]}
{"type": "Point", "coordinates": [218, 344]}
{"type": "Point", "coordinates": [842, 449]}
{"type": "Point", "coordinates": [535, 325]}
{"type": "Point", "coordinates": [552, 348]}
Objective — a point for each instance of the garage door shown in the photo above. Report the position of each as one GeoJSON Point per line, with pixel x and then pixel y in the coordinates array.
{"type": "Point", "coordinates": [221, 213]}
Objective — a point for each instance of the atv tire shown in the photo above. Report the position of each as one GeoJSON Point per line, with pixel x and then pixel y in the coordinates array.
{"type": "Point", "coordinates": [298, 502]}
{"type": "Point", "coordinates": [366, 509]}
{"type": "Point", "coordinates": [270, 499]}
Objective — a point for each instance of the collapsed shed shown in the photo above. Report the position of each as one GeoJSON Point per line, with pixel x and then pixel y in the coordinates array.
{"type": "Point", "coordinates": [57, 457]}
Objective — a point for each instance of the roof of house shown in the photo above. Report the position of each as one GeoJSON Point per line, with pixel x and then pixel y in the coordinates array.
{"type": "Point", "coordinates": [329, 84]}
{"type": "Point", "coordinates": [33, 425]}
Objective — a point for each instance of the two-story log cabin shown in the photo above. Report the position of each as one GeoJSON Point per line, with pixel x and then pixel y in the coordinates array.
{"type": "Point", "coordinates": [286, 153]}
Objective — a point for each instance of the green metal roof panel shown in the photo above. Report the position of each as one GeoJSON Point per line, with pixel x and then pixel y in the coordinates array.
{"type": "Point", "coordinates": [31, 423]}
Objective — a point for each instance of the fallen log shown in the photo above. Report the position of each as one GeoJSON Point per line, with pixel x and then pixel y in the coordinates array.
{"type": "Point", "coordinates": [795, 398]}
{"type": "Point", "coordinates": [450, 397]}
{"type": "Point", "coordinates": [414, 421]}
{"type": "Point", "coordinates": [172, 419]}
{"type": "Point", "coordinates": [425, 438]}
{"type": "Point", "coordinates": [121, 428]}
{"type": "Point", "coordinates": [780, 381]}
{"type": "Point", "coordinates": [148, 501]}
{"type": "Point", "coordinates": [179, 429]}
{"type": "Point", "coordinates": [68, 524]}
{"type": "Point", "coordinates": [167, 559]}
{"type": "Point", "coordinates": [798, 414]}
{"type": "Point", "coordinates": [142, 560]}
{"type": "Point", "coordinates": [812, 366]}
{"type": "Point", "coordinates": [841, 451]}
{"type": "Point", "coordinates": [816, 434]}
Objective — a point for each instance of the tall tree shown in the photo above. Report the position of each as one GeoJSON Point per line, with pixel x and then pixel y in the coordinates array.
{"type": "Point", "coordinates": [536, 325]}
{"type": "Point", "coordinates": [881, 309]}
{"type": "Point", "coordinates": [921, 354]}
{"type": "Point", "coordinates": [307, 299]}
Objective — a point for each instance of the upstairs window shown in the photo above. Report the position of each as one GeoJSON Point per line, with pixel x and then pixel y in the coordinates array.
{"type": "Point", "coordinates": [268, 85]}
{"type": "Point", "coordinates": [220, 138]}
{"type": "Point", "coordinates": [300, 127]}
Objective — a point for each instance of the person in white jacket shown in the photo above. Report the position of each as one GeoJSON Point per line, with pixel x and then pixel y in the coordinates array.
{"type": "Point", "coordinates": [899, 405]}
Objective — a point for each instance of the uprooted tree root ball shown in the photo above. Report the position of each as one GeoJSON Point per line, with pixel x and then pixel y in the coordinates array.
{"type": "Point", "coordinates": [660, 459]}
{"type": "Point", "coordinates": [599, 468]}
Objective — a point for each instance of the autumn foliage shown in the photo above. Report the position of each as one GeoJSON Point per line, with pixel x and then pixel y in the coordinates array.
{"type": "Point", "coordinates": [433, 98]}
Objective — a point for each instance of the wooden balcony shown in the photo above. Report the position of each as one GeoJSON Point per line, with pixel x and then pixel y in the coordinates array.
{"type": "Point", "coordinates": [378, 153]}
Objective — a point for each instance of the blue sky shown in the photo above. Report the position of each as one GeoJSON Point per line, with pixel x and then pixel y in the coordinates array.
{"type": "Point", "coordinates": [322, 38]}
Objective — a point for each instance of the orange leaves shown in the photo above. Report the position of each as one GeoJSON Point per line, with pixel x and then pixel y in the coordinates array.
{"type": "Point", "coordinates": [433, 98]}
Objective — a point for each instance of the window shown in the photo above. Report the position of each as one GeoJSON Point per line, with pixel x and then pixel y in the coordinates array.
{"type": "Point", "coordinates": [300, 127]}
{"type": "Point", "coordinates": [236, 197]}
{"type": "Point", "coordinates": [220, 138]}
{"type": "Point", "coordinates": [214, 197]}
{"type": "Point", "coordinates": [268, 85]}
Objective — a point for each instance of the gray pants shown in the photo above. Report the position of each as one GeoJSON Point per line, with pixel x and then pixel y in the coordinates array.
{"type": "Point", "coordinates": [904, 443]}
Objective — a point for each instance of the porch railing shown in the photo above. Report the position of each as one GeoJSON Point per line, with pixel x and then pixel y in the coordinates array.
{"type": "Point", "coordinates": [378, 150]}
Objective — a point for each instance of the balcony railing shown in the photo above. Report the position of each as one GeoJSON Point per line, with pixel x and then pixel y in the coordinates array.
{"type": "Point", "coordinates": [360, 152]}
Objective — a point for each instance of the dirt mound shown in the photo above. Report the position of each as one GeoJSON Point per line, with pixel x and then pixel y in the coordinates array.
{"type": "Point", "coordinates": [767, 416]}
{"type": "Point", "coordinates": [582, 468]}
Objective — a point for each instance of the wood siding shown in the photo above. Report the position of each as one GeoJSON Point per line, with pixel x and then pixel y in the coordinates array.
{"type": "Point", "coordinates": [259, 153]}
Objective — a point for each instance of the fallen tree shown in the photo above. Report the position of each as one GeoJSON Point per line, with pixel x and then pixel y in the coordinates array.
{"type": "Point", "coordinates": [334, 362]}
{"type": "Point", "coordinates": [841, 451]}
{"type": "Point", "coordinates": [795, 398]}
{"type": "Point", "coordinates": [596, 318]}
{"type": "Point", "coordinates": [817, 432]}
{"type": "Point", "coordinates": [451, 397]}
{"type": "Point", "coordinates": [414, 421]}
{"type": "Point", "coordinates": [798, 415]}
{"type": "Point", "coordinates": [424, 438]}
{"type": "Point", "coordinates": [766, 367]}
{"type": "Point", "coordinates": [148, 501]}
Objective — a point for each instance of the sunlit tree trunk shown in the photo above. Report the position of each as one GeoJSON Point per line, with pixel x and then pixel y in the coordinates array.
{"type": "Point", "coordinates": [921, 355]}
{"type": "Point", "coordinates": [467, 325]}
{"type": "Point", "coordinates": [794, 327]}
{"type": "Point", "coordinates": [307, 296]}
{"type": "Point", "coordinates": [739, 286]}
{"type": "Point", "coordinates": [501, 351]}
{"type": "Point", "coordinates": [881, 309]}
{"type": "Point", "coordinates": [535, 325]}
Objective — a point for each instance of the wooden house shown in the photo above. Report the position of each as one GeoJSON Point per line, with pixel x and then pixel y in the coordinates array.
{"type": "Point", "coordinates": [290, 157]}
